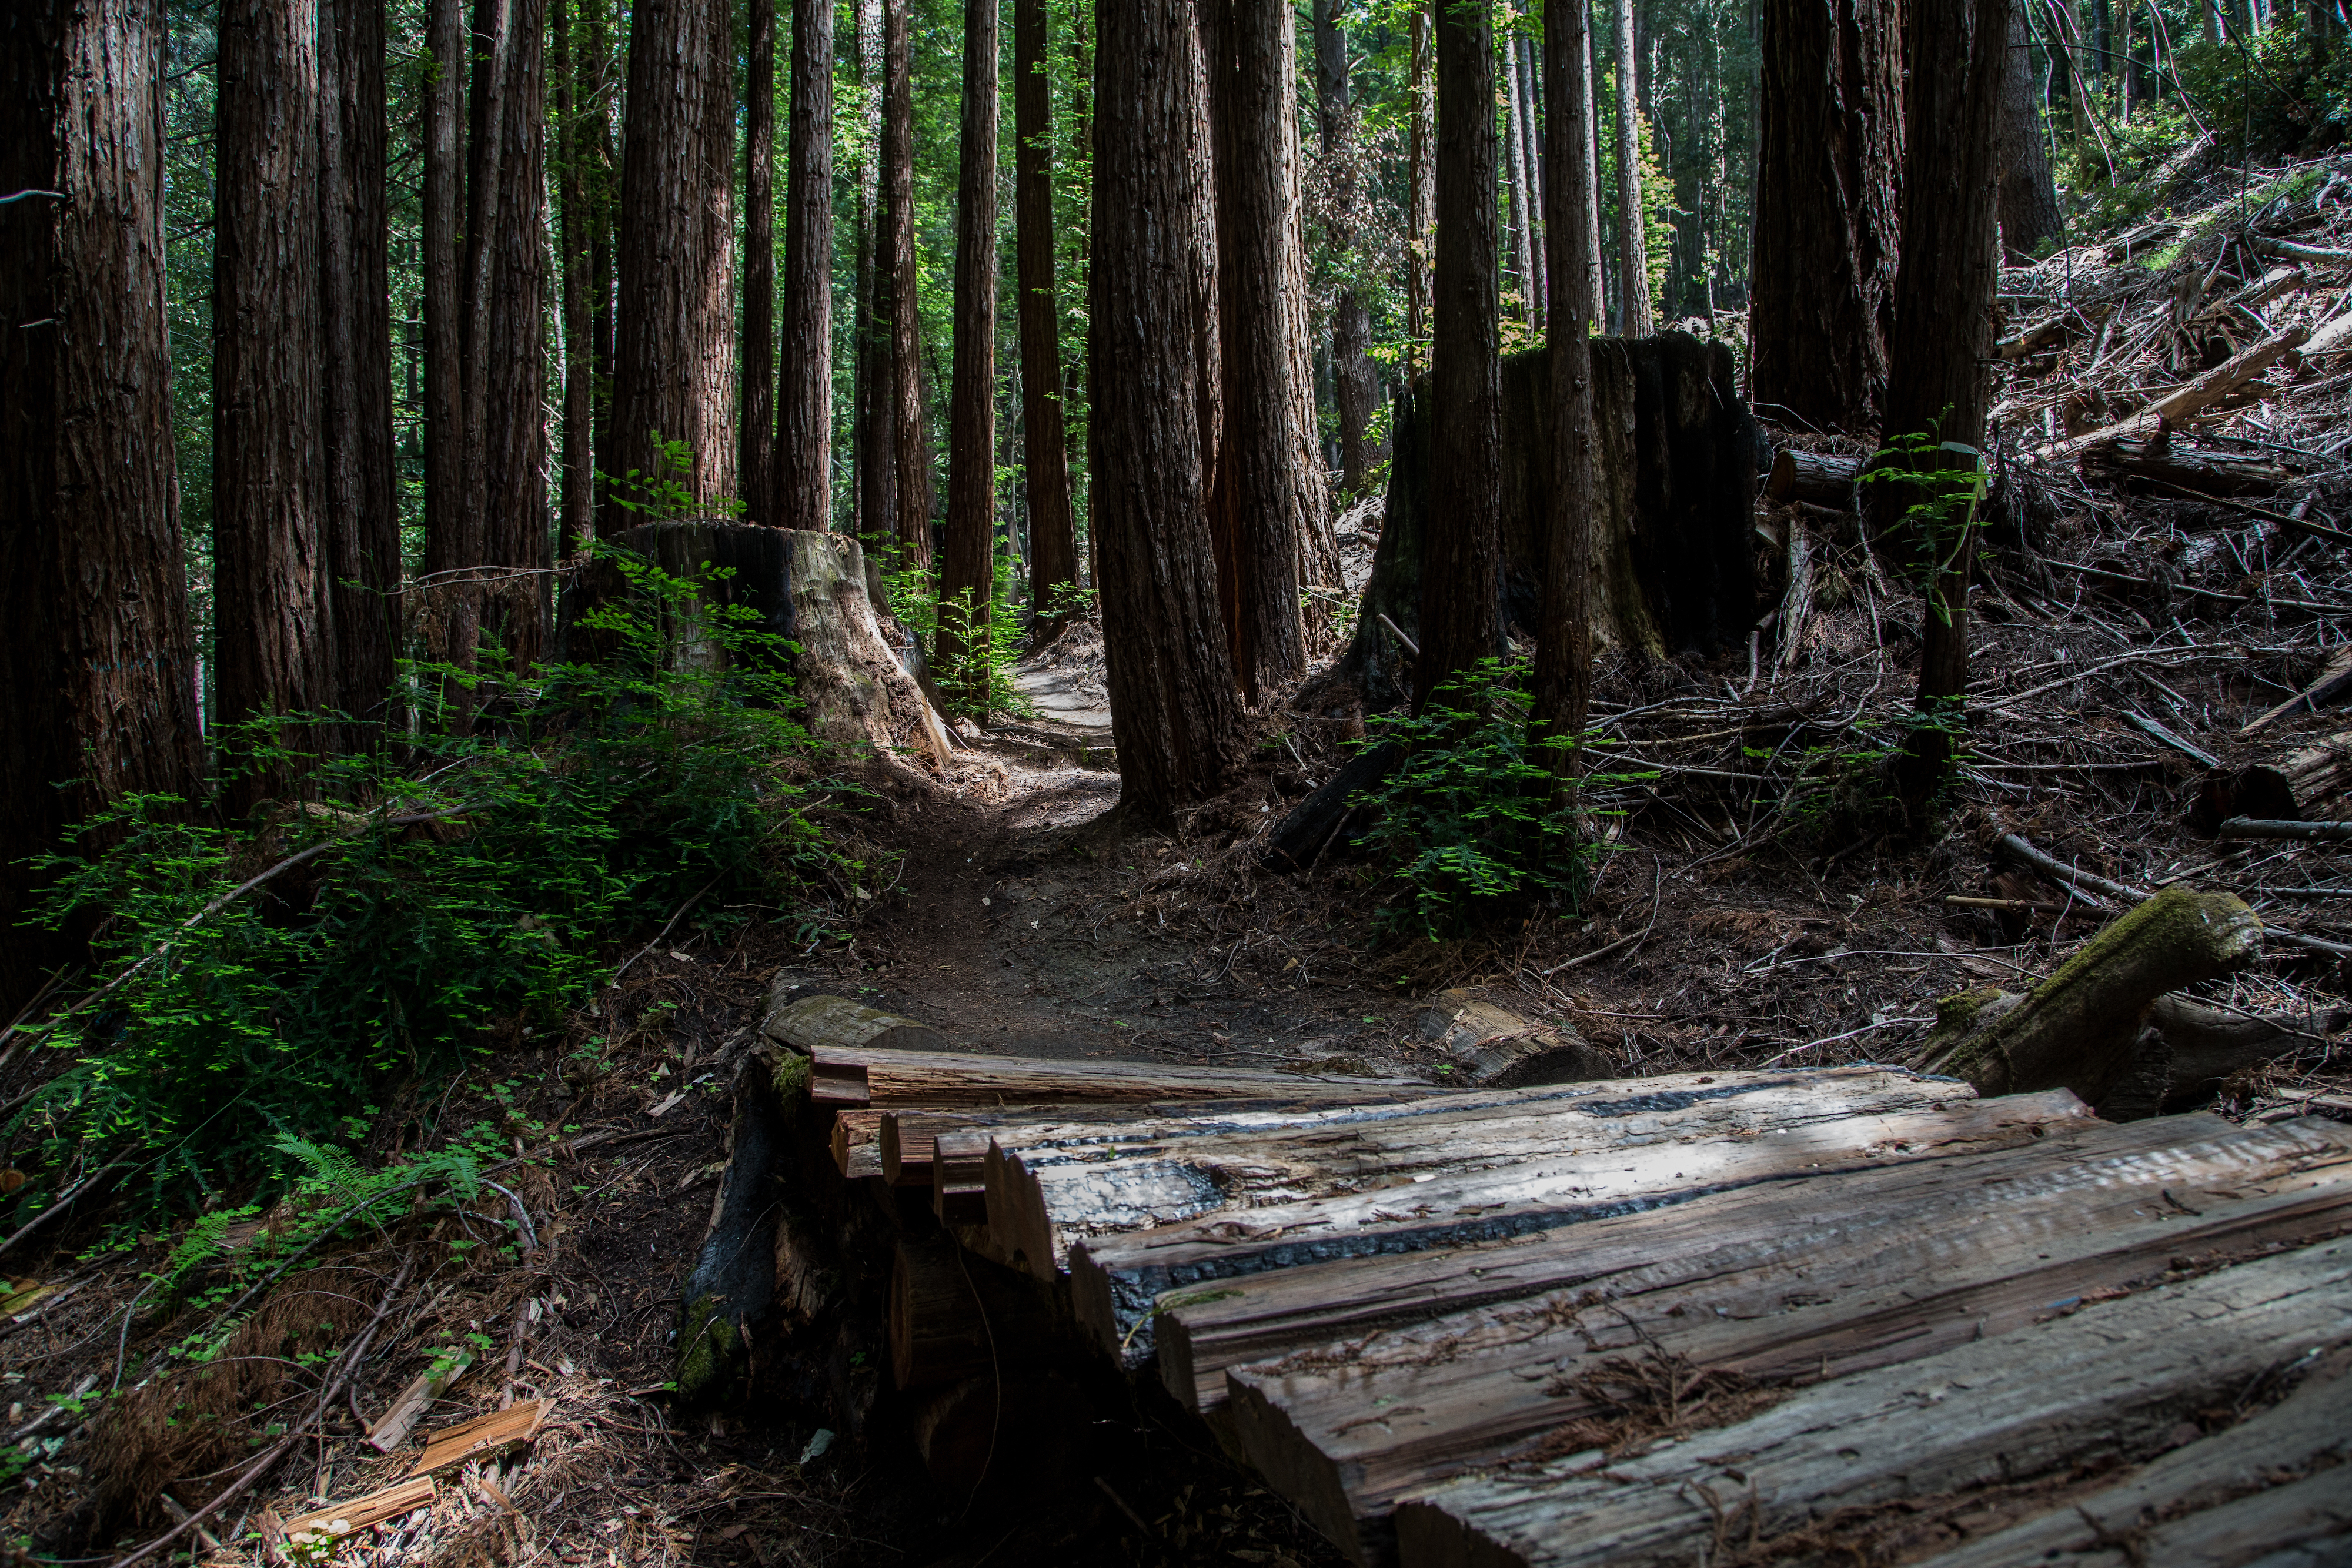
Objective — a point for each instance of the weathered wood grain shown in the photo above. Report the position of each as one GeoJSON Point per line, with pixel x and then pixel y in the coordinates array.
{"type": "Point", "coordinates": [1754, 1243]}
{"type": "Point", "coordinates": [2112, 1382]}
{"type": "Point", "coordinates": [1607, 1165]}
{"type": "Point", "coordinates": [857, 1077]}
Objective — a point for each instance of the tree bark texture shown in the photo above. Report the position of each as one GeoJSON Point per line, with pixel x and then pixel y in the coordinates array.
{"type": "Point", "coordinates": [1053, 529]}
{"type": "Point", "coordinates": [1522, 59]}
{"type": "Point", "coordinates": [1827, 216]}
{"type": "Point", "coordinates": [1420, 198]}
{"type": "Point", "coordinates": [1318, 545]}
{"type": "Point", "coordinates": [453, 539]}
{"type": "Point", "coordinates": [1519, 221]}
{"type": "Point", "coordinates": [574, 510]}
{"type": "Point", "coordinates": [1942, 343]}
{"type": "Point", "coordinates": [1355, 384]}
{"type": "Point", "coordinates": [972, 392]}
{"type": "Point", "coordinates": [755, 434]}
{"type": "Point", "coordinates": [1173, 707]}
{"type": "Point", "coordinates": [869, 520]}
{"type": "Point", "coordinates": [96, 655]}
{"type": "Point", "coordinates": [1458, 624]}
{"type": "Point", "coordinates": [1632, 247]}
{"type": "Point", "coordinates": [1563, 675]}
{"type": "Point", "coordinates": [273, 639]}
{"type": "Point", "coordinates": [673, 329]}
{"type": "Point", "coordinates": [899, 399]}
{"type": "Point", "coordinates": [804, 482]}
{"type": "Point", "coordinates": [1258, 489]}
{"type": "Point", "coordinates": [2029, 200]}
{"type": "Point", "coordinates": [1593, 261]}
{"type": "Point", "coordinates": [362, 516]}
{"type": "Point", "coordinates": [519, 534]}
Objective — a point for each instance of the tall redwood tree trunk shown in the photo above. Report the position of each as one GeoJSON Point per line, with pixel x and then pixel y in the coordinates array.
{"type": "Point", "coordinates": [803, 484]}
{"type": "Point", "coordinates": [273, 634]}
{"type": "Point", "coordinates": [453, 539]}
{"type": "Point", "coordinates": [1633, 245]}
{"type": "Point", "coordinates": [972, 392]}
{"type": "Point", "coordinates": [1459, 585]}
{"type": "Point", "coordinates": [895, 308]}
{"type": "Point", "coordinates": [1254, 180]}
{"type": "Point", "coordinates": [1563, 675]}
{"type": "Point", "coordinates": [1173, 707]}
{"type": "Point", "coordinates": [575, 518]}
{"type": "Point", "coordinates": [1053, 529]}
{"type": "Point", "coordinates": [1355, 384]}
{"type": "Point", "coordinates": [511, 463]}
{"type": "Point", "coordinates": [1519, 219]}
{"type": "Point", "coordinates": [97, 663]}
{"type": "Point", "coordinates": [2029, 198]}
{"type": "Point", "coordinates": [755, 434]}
{"type": "Point", "coordinates": [1828, 174]}
{"type": "Point", "coordinates": [674, 326]}
{"type": "Point", "coordinates": [1420, 194]}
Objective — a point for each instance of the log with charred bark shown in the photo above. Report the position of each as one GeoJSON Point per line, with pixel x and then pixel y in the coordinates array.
{"type": "Point", "coordinates": [2160, 461]}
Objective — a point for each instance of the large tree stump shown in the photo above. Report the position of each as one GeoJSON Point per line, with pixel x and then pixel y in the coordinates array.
{"type": "Point", "coordinates": [1673, 562]}
{"type": "Point", "coordinates": [2078, 1028]}
{"type": "Point", "coordinates": [810, 588]}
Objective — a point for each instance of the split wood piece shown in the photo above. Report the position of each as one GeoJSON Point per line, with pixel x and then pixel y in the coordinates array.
{"type": "Point", "coordinates": [391, 1429]}
{"type": "Point", "coordinates": [1767, 1231]}
{"type": "Point", "coordinates": [856, 1144]}
{"type": "Point", "coordinates": [940, 1079]}
{"type": "Point", "coordinates": [2333, 686]}
{"type": "Point", "coordinates": [345, 1518]}
{"type": "Point", "coordinates": [1824, 479]}
{"type": "Point", "coordinates": [2185, 402]}
{"type": "Point", "coordinates": [482, 1435]}
{"type": "Point", "coordinates": [1116, 1280]}
{"type": "Point", "coordinates": [2230, 1498]}
{"type": "Point", "coordinates": [2159, 458]}
{"type": "Point", "coordinates": [1484, 1046]}
{"type": "Point", "coordinates": [815, 1026]}
{"type": "Point", "coordinates": [2077, 1029]}
{"type": "Point", "coordinates": [1840, 1293]}
{"type": "Point", "coordinates": [2317, 775]}
{"type": "Point", "coordinates": [2015, 1408]}
{"type": "Point", "coordinates": [1796, 601]}
{"type": "Point", "coordinates": [953, 1315]}
{"type": "Point", "coordinates": [1050, 1184]}
{"type": "Point", "coordinates": [959, 1185]}
{"type": "Point", "coordinates": [2257, 828]}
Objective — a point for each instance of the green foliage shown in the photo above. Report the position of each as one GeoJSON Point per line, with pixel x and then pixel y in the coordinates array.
{"type": "Point", "coordinates": [1471, 827]}
{"type": "Point", "coordinates": [664, 491]}
{"type": "Point", "coordinates": [431, 886]}
{"type": "Point", "coordinates": [973, 664]}
{"type": "Point", "coordinates": [1941, 483]}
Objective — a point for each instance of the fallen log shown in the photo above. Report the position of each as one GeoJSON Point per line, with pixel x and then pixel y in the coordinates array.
{"type": "Point", "coordinates": [2278, 280]}
{"type": "Point", "coordinates": [1771, 1232]}
{"type": "Point", "coordinates": [1824, 479]}
{"type": "Point", "coordinates": [2184, 403]}
{"type": "Point", "coordinates": [2032, 1398]}
{"type": "Point", "coordinates": [1116, 1279]}
{"type": "Point", "coordinates": [1839, 1294]}
{"type": "Point", "coordinates": [733, 1280]}
{"type": "Point", "coordinates": [1307, 831]}
{"type": "Point", "coordinates": [2078, 1028]}
{"type": "Point", "coordinates": [1484, 1046]}
{"type": "Point", "coordinates": [2256, 828]}
{"type": "Point", "coordinates": [2203, 1046]}
{"type": "Point", "coordinates": [2158, 459]}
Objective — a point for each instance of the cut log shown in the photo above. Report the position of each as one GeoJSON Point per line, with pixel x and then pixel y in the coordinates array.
{"type": "Point", "coordinates": [734, 1276]}
{"type": "Point", "coordinates": [2184, 403]}
{"type": "Point", "coordinates": [822, 1023]}
{"type": "Point", "coordinates": [2162, 459]}
{"type": "Point", "coordinates": [1750, 1306]}
{"type": "Point", "coordinates": [2078, 1028]}
{"type": "Point", "coordinates": [1759, 1234]}
{"type": "Point", "coordinates": [2318, 775]}
{"type": "Point", "coordinates": [953, 1316]}
{"type": "Point", "coordinates": [2333, 686]}
{"type": "Point", "coordinates": [2009, 1410]}
{"type": "Point", "coordinates": [1116, 1280]}
{"type": "Point", "coordinates": [939, 1080]}
{"type": "Point", "coordinates": [1049, 1184]}
{"type": "Point", "coordinates": [1824, 479]}
{"type": "Point", "coordinates": [1484, 1047]}
{"type": "Point", "coordinates": [856, 1144]}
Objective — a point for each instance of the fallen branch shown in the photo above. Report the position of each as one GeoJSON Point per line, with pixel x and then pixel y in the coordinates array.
{"type": "Point", "coordinates": [2184, 401]}
{"type": "Point", "coordinates": [2260, 828]}
{"type": "Point", "coordinates": [2334, 685]}
{"type": "Point", "coordinates": [2081, 881]}
{"type": "Point", "coordinates": [2157, 733]}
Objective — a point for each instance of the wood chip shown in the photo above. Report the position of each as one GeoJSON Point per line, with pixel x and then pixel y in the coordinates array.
{"type": "Point", "coordinates": [344, 1518]}
{"type": "Point", "coordinates": [516, 1424]}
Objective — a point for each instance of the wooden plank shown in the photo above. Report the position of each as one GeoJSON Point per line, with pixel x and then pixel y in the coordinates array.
{"type": "Point", "coordinates": [343, 1519]}
{"type": "Point", "coordinates": [2218, 1500]}
{"type": "Point", "coordinates": [1345, 1430]}
{"type": "Point", "coordinates": [391, 1429]}
{"type": "Point", "coordinates": [957, 1196]}
{"type": "Point", "coordinates": [1783, 1231]}
{"type": "Point", "coordinates": [1051, 1186]}
{"type": "Point", "coordinates": [2112, 1382]}
{"type": "Point", "coordinates": [1115, 1279]}
{"type": "Point", "coordinates": [854, 1078]}
{"type": "Point", "coordinates": [482, 1435]}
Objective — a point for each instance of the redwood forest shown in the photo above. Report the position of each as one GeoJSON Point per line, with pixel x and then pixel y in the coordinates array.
{"type": "Point", "coordinates": [1308, 782]}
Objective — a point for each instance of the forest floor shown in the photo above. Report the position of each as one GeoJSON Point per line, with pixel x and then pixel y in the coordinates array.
{"type": "Point", "coordinates": [1753, 909]}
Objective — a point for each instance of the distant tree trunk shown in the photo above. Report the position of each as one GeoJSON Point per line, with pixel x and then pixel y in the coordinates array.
{"type": "Point", "coordinates": [97, 662]}
{"type": "Point", "coordinates": [1053, 529]}
{"type": "Point", "coordinates": [755, 434]}
{"type": "Point", "coordinates": [2126, 69]}
{"type": "Point", "coordinates": [2029, 200]}
{"type": "Point", "coordinates": [1173, 708]}
{"type": "Point", "coordinates": [510, 464]}
{"type": "Point", "coordinates": [273, 636]}
{"type": "Point", "coordinates": [972, 393]}
{"type": "Point", "coordinates": [1420, 198]}
{"type": "Point", "coordinates": [1943, 323]}
{"type": "Point", "coordinates": [1522, 61]}
{"type": "Point", "coordinates": [575, 515]}
{"type": "Point", "coordinates": [1593, 263]}
{"type": "Point", "coordinates": [1519, 220]}
{"type": "Point", "coordinates": [489, 100]}
{"type": "Point", "coordinates": [1355, 384]}
{"type": "Point", "coordinates": [1458, 616]}
{"type": "Point", "coordinates": [1633, 246]}
{"type": "Point", "coordinates": [363, 515]}
{"type": "Point", "coordinates": [871, 503]}
{"type": "Point", "coordinates": [1563, 675]}
{"type": "Point", "coordinates": [675, 316]}
{"type": "Point", "coordinates": [1254, 181]}
{"type": "Point", "coordinates": [900, 427]}
{"type": "Point", "coordinates": [453, 539]}
{"type": "Point", "coordinates": [1827, 173]}
{"type": "Point", "coordinates": [804, 483]}
{"type": "Point", "coordinates": [602, 200]}
{"type": "Point", "coordinates": [1318, 545]}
